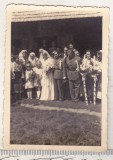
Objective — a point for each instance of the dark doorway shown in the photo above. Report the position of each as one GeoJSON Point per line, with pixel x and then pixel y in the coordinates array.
{"type": "Point", "coordinates": [83, 33]}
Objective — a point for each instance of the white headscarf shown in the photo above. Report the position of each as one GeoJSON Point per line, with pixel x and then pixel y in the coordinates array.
{"type": "Point", "coordinates": [21, 53]}
{"type": "Point", "coordinates": [21, 58]}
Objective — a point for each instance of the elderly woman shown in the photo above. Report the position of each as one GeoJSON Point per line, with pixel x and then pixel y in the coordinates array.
{"type": "Point", "coordinates": [32, 59]}
{"type": "Point", "coordinates": [23, 57]}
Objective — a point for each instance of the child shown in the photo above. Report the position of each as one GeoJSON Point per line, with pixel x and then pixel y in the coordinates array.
{"type": "Point", "coordinates": [29, 75]}
{"type": "Point", "coordinates": [37, 78]}
{"type": "Point", "coordinates": [17, 73]}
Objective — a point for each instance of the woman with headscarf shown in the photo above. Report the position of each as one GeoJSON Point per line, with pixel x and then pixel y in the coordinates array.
{"type": "Point", "coordinates": [47, 76]}
{"type": "Point", "coordinates": [23, 57]}
{"type": "Point", "coordinates": [32, 59]}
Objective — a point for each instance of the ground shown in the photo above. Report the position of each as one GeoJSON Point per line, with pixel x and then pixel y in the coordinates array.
{"type": "Point", "coordinates": [55, 123]}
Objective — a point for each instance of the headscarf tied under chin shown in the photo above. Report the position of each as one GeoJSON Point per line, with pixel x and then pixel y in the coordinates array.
{"type": "Point", "coordinates": [21, 58]}
{"type": "Point", "coordinates": [21, 53]}
{"type": "Point", "coordinates": [32, 61]}
{"type": "Point", "coordinates": [32, 54]}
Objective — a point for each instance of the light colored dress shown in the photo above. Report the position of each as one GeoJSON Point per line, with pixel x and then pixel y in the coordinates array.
{"type": "Point", "coordinates": [47, 80]}
{"type": "Point", "coordinates": [29, 79]}
{"type": "Point", "coordinates": [98, 67]}
{"type": "Point", "coordinates": [37, 77]}
{"type": "Point", "coordinates": [33, 61]}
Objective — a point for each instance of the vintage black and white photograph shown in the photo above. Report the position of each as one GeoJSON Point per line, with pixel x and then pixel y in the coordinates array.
{"type": "Point", "coordinates": [56, 77]}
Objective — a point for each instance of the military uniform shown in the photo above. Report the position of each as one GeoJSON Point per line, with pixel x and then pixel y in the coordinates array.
{"type": "Point", "coordinates": [58, 78]}
{"type": "Point", "coordinates": [73, 75]}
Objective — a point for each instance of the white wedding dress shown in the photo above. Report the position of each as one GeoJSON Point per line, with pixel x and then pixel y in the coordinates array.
{"type": "Point", "coordinates": [47, 82]}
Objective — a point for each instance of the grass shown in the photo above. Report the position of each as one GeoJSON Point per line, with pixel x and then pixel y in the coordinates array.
{"type": "Point", "coordinates": [46, 127]}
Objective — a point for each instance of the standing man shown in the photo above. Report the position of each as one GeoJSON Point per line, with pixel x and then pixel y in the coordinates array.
{"type": "Point", "coordinates": [65, 52]}
{"type": "Point", "coordinates": [71, 72]}
{"type": "Point", "coordinates": [58, 76]}
{"type": "Point", "coordinates": [66, 93]}
{"type": "Point", "coordinates": [78, 58]}
{"type": "Point", "coordinates": [98, 68]}
{"type": "Point", "coordinates": [77, 55]}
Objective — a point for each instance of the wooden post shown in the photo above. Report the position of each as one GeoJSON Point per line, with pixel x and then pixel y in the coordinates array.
{"type": "Point", "coordinates": [85, 92]}
{"type": "Point", "coordinates": [94, 92]}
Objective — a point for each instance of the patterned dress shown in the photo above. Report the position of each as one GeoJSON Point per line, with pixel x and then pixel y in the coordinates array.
{"type": "Point", "coordinates": [29, 79]}
{"type": "Point", "coordinates": [37, 77]}
{"type": "Point", "coordinates": [17, 73]}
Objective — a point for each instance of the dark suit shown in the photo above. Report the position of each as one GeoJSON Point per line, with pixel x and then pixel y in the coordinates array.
{"type": "Point", "coordinates": [58, 78]}
{"type": "Point", "coordinates": [70, 71]}
{"type": "Point", "coordinates": [66, 91]}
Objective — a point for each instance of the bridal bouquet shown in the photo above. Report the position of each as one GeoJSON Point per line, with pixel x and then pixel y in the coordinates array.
{"type": "Point", "coordinates": [97, 67]}
{"type": "Point", "coordinates": [85, 68]}
{"type": "Point", "coordinates": [49, 67]}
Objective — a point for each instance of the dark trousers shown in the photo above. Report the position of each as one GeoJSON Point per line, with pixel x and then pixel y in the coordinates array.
{"type": "Point", "coordinates": [66, 92]}
{"type": "Point", "coordinates": [58, 89]}
{"type": "Point", "coordinates": [89, 87]}
{"type": "Point", "coordinates": [74, 87]}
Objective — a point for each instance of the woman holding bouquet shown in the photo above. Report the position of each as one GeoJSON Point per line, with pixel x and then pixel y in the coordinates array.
{"type": "Point", "coordinates": [86, 70]}
{"type": "Point", "coordinates": [47, 76]}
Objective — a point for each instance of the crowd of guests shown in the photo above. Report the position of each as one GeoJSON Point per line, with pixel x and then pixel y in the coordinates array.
{"type": "Point", "coordinates": [56, 76]}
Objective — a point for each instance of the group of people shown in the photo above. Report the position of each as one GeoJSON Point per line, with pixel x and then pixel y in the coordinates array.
{"type": "Point", "coordinates": [57, 76]}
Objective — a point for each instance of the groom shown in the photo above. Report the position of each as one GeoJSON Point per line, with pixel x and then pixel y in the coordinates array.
{"type": "Point", "coordinates": [58, 76]}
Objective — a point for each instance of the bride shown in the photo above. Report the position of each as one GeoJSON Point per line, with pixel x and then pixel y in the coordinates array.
{"type": "Point", "coordinates": [47, 76]}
